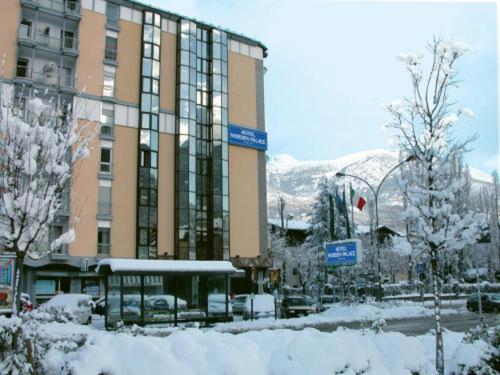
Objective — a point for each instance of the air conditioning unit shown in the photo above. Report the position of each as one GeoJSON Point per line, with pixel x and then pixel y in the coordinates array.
{"type": "Point", "coordinates": [50, 73]}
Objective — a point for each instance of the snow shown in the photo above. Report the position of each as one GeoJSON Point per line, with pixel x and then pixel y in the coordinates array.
{"type": "Point", "coordinates": [144, 265]}
{"type": "Point", "coordinates": [309, 351]}
{"type": "Point", "coordinates": [261, 303]}
{"type": "Point", "coordinates": [291, 224]}
{"type": "Point", "coordinates": [66, 300]}
{"type": "Point", "coordinates": [337, 314]}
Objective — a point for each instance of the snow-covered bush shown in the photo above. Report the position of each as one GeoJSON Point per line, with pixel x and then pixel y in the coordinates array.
{"type": "Point", "coordinates": [23, 345]}
{"type": "Point", "coordinates": [379, 325]}
{"type": "Point", "coordinates": [479, 352]}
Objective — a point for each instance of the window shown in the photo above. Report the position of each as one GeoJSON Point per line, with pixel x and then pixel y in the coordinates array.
{"type": "Point", "coordinates": [56, 231]}
{"type": "Point", "coordinates": [110, 52]}
{"type": "Point", "coordinates": [103, 240]}
{"type": "Point", "coordinates": [112, 13]}
{"type": "Point", "coordinates": [25, 29]}
{"type": "Point", "coordinates": [104, 201]}
{"type": "Point", "coordinates": [109, 81]}
{"type": "Point", "coordinates": [22, 67]}
{"type": "Point", "coordinates": [106, 160]}
{"type": "Point", "coordinates": [107, 119]}
{"type": "Point", "coordinates": [69, 40]}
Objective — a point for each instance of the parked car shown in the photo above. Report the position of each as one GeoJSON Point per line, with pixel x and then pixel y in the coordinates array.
{"type": "Point", "coordinates": [263, 306]}
{"type": "Point", "coordinates": [26, 303]}
{"type": "Point", "coordinates": [295, 305]}
{"type": "Point", "coordinates": [164, 302]}
{"type": "Point", "coordinates": [217, 306]}
{"type": "Point", "coordinates": [490, 302]}
{"type": "Point", "coordinates": [238, 303]}
{"type": "Point", "coordinates": [80, 305]}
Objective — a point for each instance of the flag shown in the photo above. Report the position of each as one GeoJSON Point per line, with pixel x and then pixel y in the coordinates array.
{"type": "Point", "coordinates": [357, 200]}
{"type": "Point", "coordinates": [340, 202]}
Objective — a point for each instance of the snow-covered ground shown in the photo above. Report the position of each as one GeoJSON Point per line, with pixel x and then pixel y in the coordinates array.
{"type": "Point", "coordinates": [281, 351]}
{"type": "Point", "coordinates": [340, 314]}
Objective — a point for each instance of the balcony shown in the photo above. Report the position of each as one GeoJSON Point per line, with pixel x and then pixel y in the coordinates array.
{"type": "Point", "coordinates": [70, 8]}
{"type": "Point", "coordinates": [103, 249]}
{"type": "Point", "coordinates": [104, 209]}
{"type": "Point", "coordinates": [50, 75]}
{"type": "Point", "coordinates": [66, 44]}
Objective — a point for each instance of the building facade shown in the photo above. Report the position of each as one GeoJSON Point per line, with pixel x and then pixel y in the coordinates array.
{"type": "Point", "coordinates": [177, 170]}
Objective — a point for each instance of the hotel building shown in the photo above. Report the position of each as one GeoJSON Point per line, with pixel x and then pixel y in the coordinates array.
{"type": "Point", "coordinates": [177, 169]}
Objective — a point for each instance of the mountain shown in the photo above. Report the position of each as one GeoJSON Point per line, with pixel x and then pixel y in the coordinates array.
{"type": "Point", "coordinates": [296, 182]}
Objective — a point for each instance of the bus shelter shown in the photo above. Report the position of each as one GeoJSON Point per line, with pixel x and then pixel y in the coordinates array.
{"type": "Point", "coordinates": [144, 292]}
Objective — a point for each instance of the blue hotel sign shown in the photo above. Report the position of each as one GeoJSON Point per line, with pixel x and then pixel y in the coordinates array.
{"type": "Point", "coordinates": [247, 137]}
{"type": "Point", "coordinates": [343, 253]}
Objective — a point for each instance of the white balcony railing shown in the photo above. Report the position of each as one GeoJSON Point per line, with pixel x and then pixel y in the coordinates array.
{"type": "Point", "coordinates": [50, 76]}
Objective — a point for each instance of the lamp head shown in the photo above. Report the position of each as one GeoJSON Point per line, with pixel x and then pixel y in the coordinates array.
{"type": "Point", "coordinates": [339, 174]}
{"type": "Point", "coordinates": [410, 158]}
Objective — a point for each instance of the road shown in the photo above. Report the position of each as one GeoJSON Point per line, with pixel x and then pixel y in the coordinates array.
{"type": "Point", "coordinates": [418, 326]}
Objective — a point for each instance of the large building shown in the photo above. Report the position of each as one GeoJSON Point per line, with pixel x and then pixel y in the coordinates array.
{"type": "Point", "coordinates": [177, 170]}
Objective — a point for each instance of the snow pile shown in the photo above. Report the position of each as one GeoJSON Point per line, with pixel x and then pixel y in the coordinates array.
{"type": "Point", "coordinates": [338, 314]}
{"type": "Point", "coordinates": [262, 352]}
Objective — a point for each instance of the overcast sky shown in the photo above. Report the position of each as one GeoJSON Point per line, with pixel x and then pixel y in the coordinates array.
{"type": "Point", "coordinates": [332, 64]}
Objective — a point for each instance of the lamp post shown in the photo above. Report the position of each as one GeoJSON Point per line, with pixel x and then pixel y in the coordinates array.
{"type": "Point", "coordinates": [375, 194]}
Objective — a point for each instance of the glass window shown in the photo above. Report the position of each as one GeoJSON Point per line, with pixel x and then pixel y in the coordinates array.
{"type": "Point", "coordinates": [147, 49]}
{"type": "Point", "coordinates": [104, 201]}
{"type": "Point", "coordinates": [155, 86]}
{"type": "Point", "coordinates": [111, 48]}
{"type": "Point", "coordinates": [114, 300]}
{"type": "Point", "coordinates": [154, 122]}
{"type": "Point", "coordinates": [132, 299]}
{"type": "Point", "coordinates": [148, 33]}
{"type": "Point", "coordinates": [156, 36]}
{"type": "Point", "coordinates": [156, 52]}
{"type": "Point", "coordinates": [190, 305]}
{"type": "Point", "coordinates": [156, 69]}
{"type": "Point", "coordinates": [103, 240]}
{"type": "Point", "coordinates": [107, 119]}
{"type": "Point", "coordinates": [157, 20]}
{"type": "Point", "coordinates": [112, 13]}
{"type": "Point", "coordinates": [146, 102]}
{"type": "Point", "coordinates": [148, 17]}
{"type": "Point", "coordinates": [146, 67]}
{"type": "Point", "coordinates": [109, 82]}
{"type": "Point", "coordinates": [106, 160]}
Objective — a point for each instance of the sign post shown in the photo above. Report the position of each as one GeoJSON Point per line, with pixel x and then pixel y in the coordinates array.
{"type": "Point", "coordinates": [343, 253]}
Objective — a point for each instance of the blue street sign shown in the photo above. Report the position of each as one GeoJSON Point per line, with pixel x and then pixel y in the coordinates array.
{"type": "Point", "coordinates": [343, 253]}
{"type": "Point", "coordinates": [247, 137]}
{"type": "Point", "coordinates": [420, 267]}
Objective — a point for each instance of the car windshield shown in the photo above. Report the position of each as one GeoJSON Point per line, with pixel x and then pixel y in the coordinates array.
{"type": "Point", "coordinates": [495, 297]}
{"type": "Point", "coordinates": [297, 301]}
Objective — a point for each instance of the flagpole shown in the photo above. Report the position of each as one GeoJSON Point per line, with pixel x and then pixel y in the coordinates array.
{"type": "Point", "coordinates": [352, 211]}
{"type": "Point", "coordinates": [332, 217]}
{"type": "Point", "coordinates": [346, 215]}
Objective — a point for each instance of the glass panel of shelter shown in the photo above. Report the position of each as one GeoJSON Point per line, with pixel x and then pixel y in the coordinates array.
{"type": "Point", "coordinates": [199, 298]}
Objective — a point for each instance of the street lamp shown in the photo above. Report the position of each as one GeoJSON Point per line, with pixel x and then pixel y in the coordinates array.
{"type": "Point", "coordinates": [375, 194]}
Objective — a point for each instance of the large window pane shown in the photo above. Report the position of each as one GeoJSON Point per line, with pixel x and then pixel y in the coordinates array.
{"type": "Point", "coordinates": [114, 300]}
{"type": "Point", "coordinates": [190, 305]}
{"type": "Point", "coordinates": [132, 299]}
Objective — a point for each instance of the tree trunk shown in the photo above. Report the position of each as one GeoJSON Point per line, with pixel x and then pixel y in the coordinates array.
{"type": "Point", "coordinates": [436, 290]}
{"type": "Point", "coordinates": [17, 308]}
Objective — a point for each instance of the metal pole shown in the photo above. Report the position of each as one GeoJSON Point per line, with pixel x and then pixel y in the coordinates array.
{"type": "Point", "coordinates": [479, 303]}
{"type": "Point", "coordinates": [377, 241]}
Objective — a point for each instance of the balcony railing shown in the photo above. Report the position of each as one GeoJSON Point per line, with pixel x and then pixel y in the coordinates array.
{"type": "Point", "coordinates": [58, 5]}
{"type": "Point", "coordinates": [111, 54]}
{"type": "Point", "coordinates": [104, 208]}
{"type": "Point", "coordinates": [108, 90]}
{"type": "Point", "coordinates": [103, 248]}
{"type": "Point", "coordinates": [53, 76]}
{"type": "Point", "coordinates": [107, 129]}
{"type": "Point", "coordinates": [66, 42]}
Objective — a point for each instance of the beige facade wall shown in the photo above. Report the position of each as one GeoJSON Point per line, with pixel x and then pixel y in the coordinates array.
{"type": "Point", "coordinates": [242, 94]}
{"type": "Point", "coordinates": [168, 71]}
{"type": "Point", "coordinates": [9, 26]}
{"type": "Point", "coordinates": [84, 196]}
{"type": "Point", "coordinates": [89, 65]}
{"type": "Point", "coordinates": [124, 193]}
{"type": "Point", "coordinates": [243, 202]}
{"type": "Point", "coordinates": [129, 62]}
{"type": "Point", "coordinates": [243, 162]}
{"type": "Point", "coordinates": [166, 194]}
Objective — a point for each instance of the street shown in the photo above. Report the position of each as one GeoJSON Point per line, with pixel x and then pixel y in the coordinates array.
{"type": "Point", "coordinates": [418, 326]}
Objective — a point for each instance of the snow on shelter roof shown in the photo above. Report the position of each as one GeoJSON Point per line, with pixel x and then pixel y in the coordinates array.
{"type": "Point", "coordinates": [166, 266]}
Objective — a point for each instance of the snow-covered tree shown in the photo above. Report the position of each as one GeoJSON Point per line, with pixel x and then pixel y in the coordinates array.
{"type": "Point", "coordinates": [39, 148]}
{"type": "Point", "coordinates": [423, 125]}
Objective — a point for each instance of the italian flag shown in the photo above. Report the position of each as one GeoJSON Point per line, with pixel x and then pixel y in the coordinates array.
{"type": "Point", "coordinates": [357, 200]}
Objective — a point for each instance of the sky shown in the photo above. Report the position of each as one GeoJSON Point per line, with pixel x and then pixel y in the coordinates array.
{"type": "Point", "coordinates": [332, 65]}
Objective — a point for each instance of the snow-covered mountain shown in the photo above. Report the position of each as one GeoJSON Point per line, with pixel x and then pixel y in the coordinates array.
{"type": "Point", "coordinates": [296, 182]}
